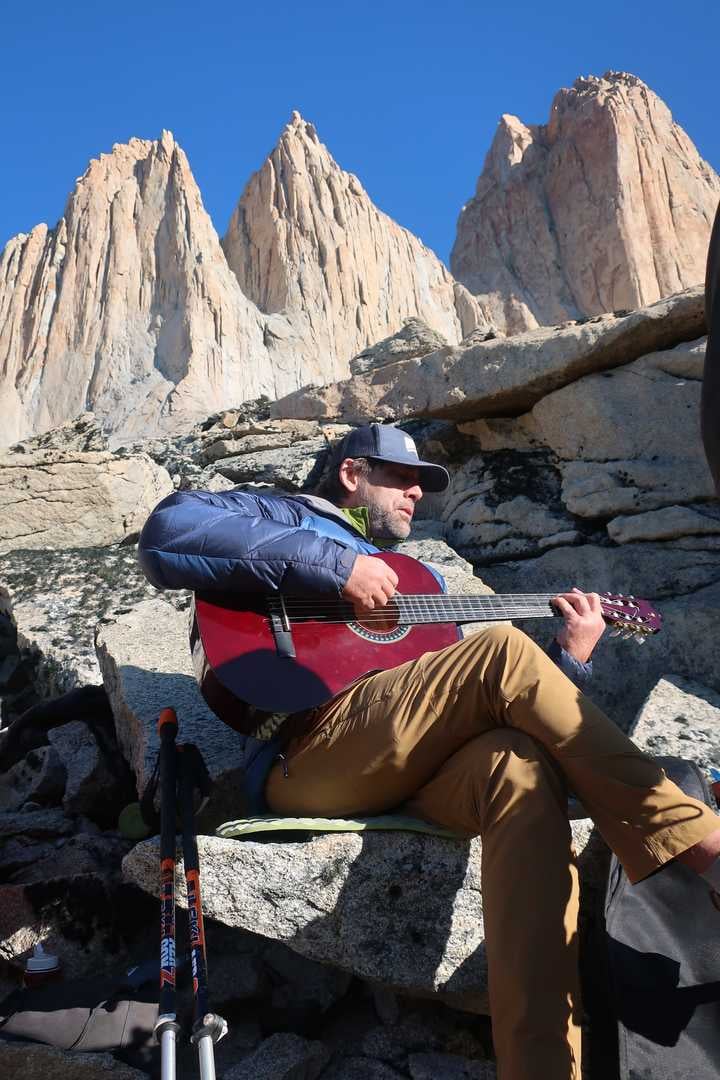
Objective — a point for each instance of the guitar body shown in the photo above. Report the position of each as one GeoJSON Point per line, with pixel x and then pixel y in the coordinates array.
{"type": "Point", "coordinates": [239, 664]}
{"type": "Point", "coordinates": [257, 657]}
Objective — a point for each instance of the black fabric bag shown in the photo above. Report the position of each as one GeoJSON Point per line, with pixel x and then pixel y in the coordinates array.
{"type": "Point", "coordinates": [89, 1015]}
{"type": "Point", "coordinates": [662, 940]}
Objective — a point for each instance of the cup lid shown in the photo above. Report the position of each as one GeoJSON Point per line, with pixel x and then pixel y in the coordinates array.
{"type": "Point", "coordinates": [41, 961]}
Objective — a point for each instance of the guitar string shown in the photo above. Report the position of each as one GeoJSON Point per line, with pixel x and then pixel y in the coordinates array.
{"type": "Point", "coordinates": [291, 598]}
{"type": "Point", "coordinates": [378, 617]}
{"type": "Point", "coordinates": [409, 609]}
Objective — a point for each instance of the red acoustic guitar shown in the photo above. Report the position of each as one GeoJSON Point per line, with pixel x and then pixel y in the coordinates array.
{"type": "Point", "coordinates": [260, 654]}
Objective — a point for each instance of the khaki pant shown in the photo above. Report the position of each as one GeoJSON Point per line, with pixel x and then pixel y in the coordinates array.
{"type": "Point", "coordinates": [485, 737]}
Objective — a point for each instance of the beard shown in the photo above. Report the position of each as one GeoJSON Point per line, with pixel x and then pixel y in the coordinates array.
{"type": "Point", "coordinates": [387, 524]}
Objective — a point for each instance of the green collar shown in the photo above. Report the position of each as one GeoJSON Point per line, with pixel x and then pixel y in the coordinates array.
{"type": "Point", "coordinates": [359, 516]}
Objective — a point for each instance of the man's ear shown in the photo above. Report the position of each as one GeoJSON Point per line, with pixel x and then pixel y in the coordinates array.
{"type": "Point", "coordinates": [349, 476]}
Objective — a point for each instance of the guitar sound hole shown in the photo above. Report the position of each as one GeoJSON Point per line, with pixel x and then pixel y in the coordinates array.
{"type": "Point", "coordinates": [380, 622]}
{"type": "Point", "coordinates": [382, 626]}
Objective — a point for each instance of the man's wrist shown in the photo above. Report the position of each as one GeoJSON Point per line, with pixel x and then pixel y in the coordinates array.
{"type": "Point", "coordinates": [578, 671]}
{"type": "Point", "coordinates": [575, 646]}
{"type": "Point", "coordinates": [578, 652]}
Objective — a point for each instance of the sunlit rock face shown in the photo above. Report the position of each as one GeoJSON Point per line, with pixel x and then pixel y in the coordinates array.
{"type": "Point", "coordinates": [307, 240]}
{"type": "Point", "coordinates": [133, 308]}
{"type": "Point", "coordinates": [130, 308]}
{"type": "Point", "coordinates": [606, 207]}
{"type": "Point", "coordinates": [127, 307]}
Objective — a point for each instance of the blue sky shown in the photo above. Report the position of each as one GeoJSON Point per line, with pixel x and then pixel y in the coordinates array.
{"type": "Point", "coordinates": [405, 94]}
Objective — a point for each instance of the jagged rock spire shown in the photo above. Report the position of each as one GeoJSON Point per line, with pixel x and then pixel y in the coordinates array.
{"type": "Point", "coordinates": [307, 240]}
{"type": "Point", "coordinates": [128, 306]}
{"type": "Point", "coordinates": [608, 206]}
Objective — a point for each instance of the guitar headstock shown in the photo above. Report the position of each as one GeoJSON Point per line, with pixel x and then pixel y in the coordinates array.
{"type": "Point", "coordinates": [630, 616]}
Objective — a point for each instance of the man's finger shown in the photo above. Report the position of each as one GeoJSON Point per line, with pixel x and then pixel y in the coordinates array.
{"type": "Point", "coordinates": [388, 588]}
{"type": "Point", "coordinates": [574, 602]}
{"type": "Point", "coordinates": [578, 600]}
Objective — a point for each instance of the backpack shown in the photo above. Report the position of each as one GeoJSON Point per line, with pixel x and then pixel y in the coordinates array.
{"type": "Point", "coordinates": [662, 969]}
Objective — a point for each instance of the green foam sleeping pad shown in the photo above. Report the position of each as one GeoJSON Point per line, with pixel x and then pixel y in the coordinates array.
{"type": "Point", "coordinates": [244, 828]}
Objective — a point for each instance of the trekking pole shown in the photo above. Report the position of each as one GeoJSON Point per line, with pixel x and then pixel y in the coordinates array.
{"type": "Point", "coordinates": [167, 1028]}
{"type": "Point", "coordinates": [208, 1027]}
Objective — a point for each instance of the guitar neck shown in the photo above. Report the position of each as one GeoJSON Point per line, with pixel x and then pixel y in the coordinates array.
{"type": "Point", "coordinates": [459, 608]}
{"type": "Point", "coordinates": [412, 610]}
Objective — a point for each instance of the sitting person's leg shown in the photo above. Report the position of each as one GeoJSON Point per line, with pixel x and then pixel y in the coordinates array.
{"type": "Point", "coordinates": [645, 818]}
{"type": "Point", "coordinates": [386, 740]}
{"type": "Point", "coordinates": [379, 742]}
{"type": "Point", "coordinates": [503, 785]}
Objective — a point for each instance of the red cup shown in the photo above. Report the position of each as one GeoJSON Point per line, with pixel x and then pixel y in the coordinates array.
{"type": "Point", "coordinates": [41, 968]}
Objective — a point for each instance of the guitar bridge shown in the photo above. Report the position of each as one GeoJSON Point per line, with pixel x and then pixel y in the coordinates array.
{"type": "Point", "coordinates": [281, 630]}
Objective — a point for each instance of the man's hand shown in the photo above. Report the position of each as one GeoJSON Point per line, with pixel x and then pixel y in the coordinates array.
{"type": "Point", "coordinates": [584, 624]}
{"type": "Point", "coordinates": [371, 584]}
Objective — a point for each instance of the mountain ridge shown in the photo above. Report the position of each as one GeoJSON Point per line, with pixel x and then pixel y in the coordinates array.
{"type": "Point", "coordinates": [132, 306]}
{"type": "Point", "coordinates": [129, 307]}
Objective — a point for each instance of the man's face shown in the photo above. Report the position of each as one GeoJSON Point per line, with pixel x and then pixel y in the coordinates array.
{"type": "Point", "coordinates": [390, 493]}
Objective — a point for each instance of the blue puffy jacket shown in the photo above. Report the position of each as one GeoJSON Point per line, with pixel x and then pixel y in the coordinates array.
{"type": "Point", "coordinates": [246, 542]}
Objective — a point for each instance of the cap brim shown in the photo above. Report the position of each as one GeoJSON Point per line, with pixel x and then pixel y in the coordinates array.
{"type": "Point", "coordinates": [433, 478]}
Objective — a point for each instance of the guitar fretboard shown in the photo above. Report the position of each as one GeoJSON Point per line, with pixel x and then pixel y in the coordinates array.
{"type": "Point", "coordinates": [425, 608]}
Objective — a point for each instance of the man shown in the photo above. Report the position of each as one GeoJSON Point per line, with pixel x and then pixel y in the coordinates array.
{"type": "Point", "coordinates": [484, 737]}
{"type": "Point", "coordinates": [710, 409]}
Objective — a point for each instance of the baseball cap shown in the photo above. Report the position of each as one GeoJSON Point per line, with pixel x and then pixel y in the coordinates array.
{"type": "Point", "coordinates": [383, 442]}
